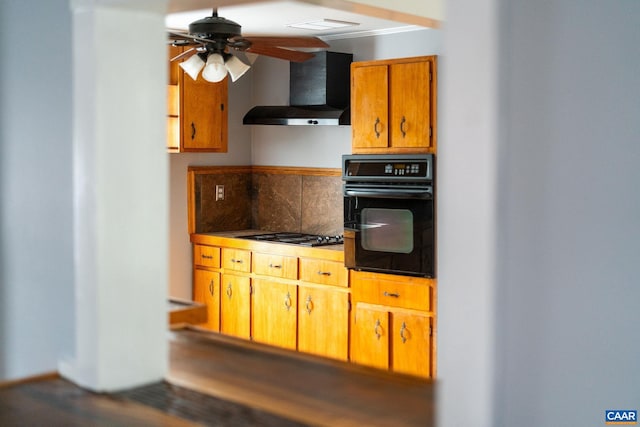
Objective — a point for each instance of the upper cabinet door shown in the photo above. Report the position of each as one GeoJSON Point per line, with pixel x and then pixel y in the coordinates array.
{"type": "Point", "coordinates": [197, 111]}
{"type": "Point", "coordinates": [369, 106]}
{"type": "Point", "coordinates": [393, 106]}
{"type": "Point", "coordinates": [410, 99]}
{"type": "Point", "coordinates": [204, 115]}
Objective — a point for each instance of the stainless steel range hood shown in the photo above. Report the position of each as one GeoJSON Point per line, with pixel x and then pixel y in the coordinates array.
{"type": "Point", "coordinates": [319, 94]}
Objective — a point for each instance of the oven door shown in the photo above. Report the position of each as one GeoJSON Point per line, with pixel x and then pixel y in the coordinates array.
{"type": "Point", "coordinates": [388, 230]}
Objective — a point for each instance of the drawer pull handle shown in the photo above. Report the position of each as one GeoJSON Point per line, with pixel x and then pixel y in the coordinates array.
{"type": "Point", "coordinates": [206, 256]}
{"type": "Point", "coordinates": [287, 301]}
{"type": "Point", "coordinates": [211, 287]}
{"type": "Point", "coordinates": [275, 266]}
{"type": "Point", "coordinates": [390, 294]}
{"type": "Point", "coordinates": [403, 332]}
{"type": "Point", "coordinates": [309, 305]}
{"type": "Point", "coordinates": [237, 261]}
{"type": "Point", "coordinates": [324, 273]}
{"type": "Point", "coordinates": [378, 329]}
{"type": "Point", "coordinates": [229, 290]}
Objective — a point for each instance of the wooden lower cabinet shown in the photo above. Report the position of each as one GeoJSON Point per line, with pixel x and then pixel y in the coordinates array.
{"type": "Point", "coordinates": [206, 290]}
{"type": "Point", "coordinates": [235, 306]}
{"type": "Point", "coordinates": [323, 321]}
{"type": "Point", "coordinates": [370, 336]}
{"type": "Point", "coordinates": [411, 343]}
{"type": "Point", "coordinates": [317, 306]}
{"type": "Point", "coordinates": [393, 339]}
{"type": "Point", "coordinates": [273, 313]}
{"type": "Point", "coordinates": [392, 326]}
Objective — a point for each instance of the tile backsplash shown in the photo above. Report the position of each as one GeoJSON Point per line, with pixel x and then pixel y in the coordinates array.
{"type": "Point", "coordinates": [269, 198]}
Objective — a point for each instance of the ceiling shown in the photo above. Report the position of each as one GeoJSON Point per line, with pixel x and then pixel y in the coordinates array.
{"type": "Point", "coordinates": [273, 18]}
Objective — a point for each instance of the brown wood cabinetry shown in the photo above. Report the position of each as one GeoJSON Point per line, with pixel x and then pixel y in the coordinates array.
{"type": "Point", "coordinates": [197, 111]}
{"type": "Point", "coordinates": [235, 305]}
{"type": "Point", "coordinates": [323, 308]}
{"type": "Point", "coordinates": [206, 283]}
{"type": "Point", "coordinates": [393, 105]}
{"type": "Point", "coordinates": [304, 299]}
{"type": "Point", "coordinates": [393, 323]}
{"type": "Point", "coordinates": [206, 290]}
{"type": "Point", "coordinates": [274, 313]}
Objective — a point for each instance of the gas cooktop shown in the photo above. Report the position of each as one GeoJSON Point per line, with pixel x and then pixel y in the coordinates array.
{"type": "Point", "coordinates": [297, 239]}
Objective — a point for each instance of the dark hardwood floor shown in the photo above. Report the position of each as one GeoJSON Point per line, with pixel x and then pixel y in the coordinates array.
{"type": "Point", "coordinates": [304, 389]}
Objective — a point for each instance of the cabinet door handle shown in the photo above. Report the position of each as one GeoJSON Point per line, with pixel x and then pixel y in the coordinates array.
{"type": "Point", "coordinates": [390, 294]}
{"type": "Point", "coordinates": [229, 291]}
{"type": "Point", "coordinates": [193, 130]}
{"type": "Point", "coordinates": [309, 305]}
{"type": "Point", "coordinates": [378, 329]}
{"type": "Point", "coordinates": [402, 123]}
{"type": "Point", "coordinates": [211, 287]}
{"type": "Point", "coordinates": [275, 266]}
{"type": "Point", "coordinates": [324, 273]}
{"type": "Point", "coordinates": [287, 301]}
{"type": "Point", "coordinates": [375, 127]}
{"type": "Point", "coordinates": [403, 332]}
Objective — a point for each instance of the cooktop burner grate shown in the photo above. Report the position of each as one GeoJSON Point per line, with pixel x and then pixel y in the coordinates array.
{"type": "Point", "coordinates": [297, 239]}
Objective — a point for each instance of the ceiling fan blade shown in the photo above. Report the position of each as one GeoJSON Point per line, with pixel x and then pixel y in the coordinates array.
{"type": "Point", "coordinates": [185, 55]}
{"type": "Point", "coordinates": [277, 52]}
{"type": "Point", "coordinates": [284, 41]}
{"type": "Point", "coordinates": [186, 36]}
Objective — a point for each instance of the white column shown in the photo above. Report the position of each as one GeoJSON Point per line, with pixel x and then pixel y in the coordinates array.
{"type": "Point", "coordinates": [120, 194]}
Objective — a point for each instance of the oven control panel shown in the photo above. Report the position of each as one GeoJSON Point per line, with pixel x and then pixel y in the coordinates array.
{"type": "Point", "coordinates": [380, 166]}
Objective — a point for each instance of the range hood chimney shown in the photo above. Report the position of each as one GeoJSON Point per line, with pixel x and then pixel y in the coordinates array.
{"type": "Point", "coordinates": [319, 94]}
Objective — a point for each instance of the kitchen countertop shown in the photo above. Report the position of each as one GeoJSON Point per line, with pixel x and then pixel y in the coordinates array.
{"type": "Point", "coordinates": [233, 239]}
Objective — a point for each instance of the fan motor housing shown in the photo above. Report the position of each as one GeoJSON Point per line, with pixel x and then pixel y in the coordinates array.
{"type": "Point", "coordinates": [215, 26]}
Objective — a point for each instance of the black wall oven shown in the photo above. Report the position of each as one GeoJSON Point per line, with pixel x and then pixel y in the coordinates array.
{"type": "Point", "coordinates": [389, 214]}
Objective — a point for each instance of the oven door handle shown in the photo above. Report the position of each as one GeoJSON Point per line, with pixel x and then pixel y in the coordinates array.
{"type": "Point", "coordinates": [390, 194]}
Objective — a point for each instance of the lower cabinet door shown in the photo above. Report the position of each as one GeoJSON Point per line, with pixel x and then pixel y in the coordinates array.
{"type": "Point", "coordinates": [411, 344]}
{"type": "Point", "coordinates": [235, 306]}
{"type": "Point", "coordinates": [370, 336]}
{"type": "Point", "coordinates": [274, 313]}
{"type": "Point", "coordinates": [206, 290]}
{"type": "Point", "coordinates": [323, 322]}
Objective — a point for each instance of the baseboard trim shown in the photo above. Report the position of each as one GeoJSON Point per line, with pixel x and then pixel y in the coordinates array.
{"type": "Point", "coordinates": [40, 377]}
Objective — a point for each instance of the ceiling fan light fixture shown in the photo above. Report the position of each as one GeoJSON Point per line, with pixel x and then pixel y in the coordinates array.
{"type": "Point", "coordinates": [236, 68]}
{"type": "Point", "coordinates": [192, 66]}
{"type": "Point", "coordinates": [215, 70]}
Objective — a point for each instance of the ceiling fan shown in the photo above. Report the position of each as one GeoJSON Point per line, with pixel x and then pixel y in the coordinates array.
{"type": "Point", "coordinates": [218, 43]}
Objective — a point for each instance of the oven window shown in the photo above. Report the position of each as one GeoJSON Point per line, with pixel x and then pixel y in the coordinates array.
{"type": "Point", "coordinates": [387, 230]}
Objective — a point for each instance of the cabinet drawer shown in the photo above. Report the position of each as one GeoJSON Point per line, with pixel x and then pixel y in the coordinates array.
{"type": "Point", "coordinates": [324, 272]}
{"type": "Point", "coordinates": [236, 259]}
{"type": "Point", "coordinates": [393, 291]}
{"type": "Point", "coordinates": [206, 256]}
{"type": "Point", "coordinates": [284, 267]}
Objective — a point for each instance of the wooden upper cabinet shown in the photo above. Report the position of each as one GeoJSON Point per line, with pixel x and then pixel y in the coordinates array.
{"type": "Point", "coordinates": [369, 107]}
{"type": "Point", "coordinates": [393, 106]}
{"type": "Point", "coordinates": [197, 111]}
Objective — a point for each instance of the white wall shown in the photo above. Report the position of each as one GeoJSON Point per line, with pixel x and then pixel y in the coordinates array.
{"type": "Point", "coordinates": [36, 228]}
{"type": "Point", "coordinates": [569, 213]}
